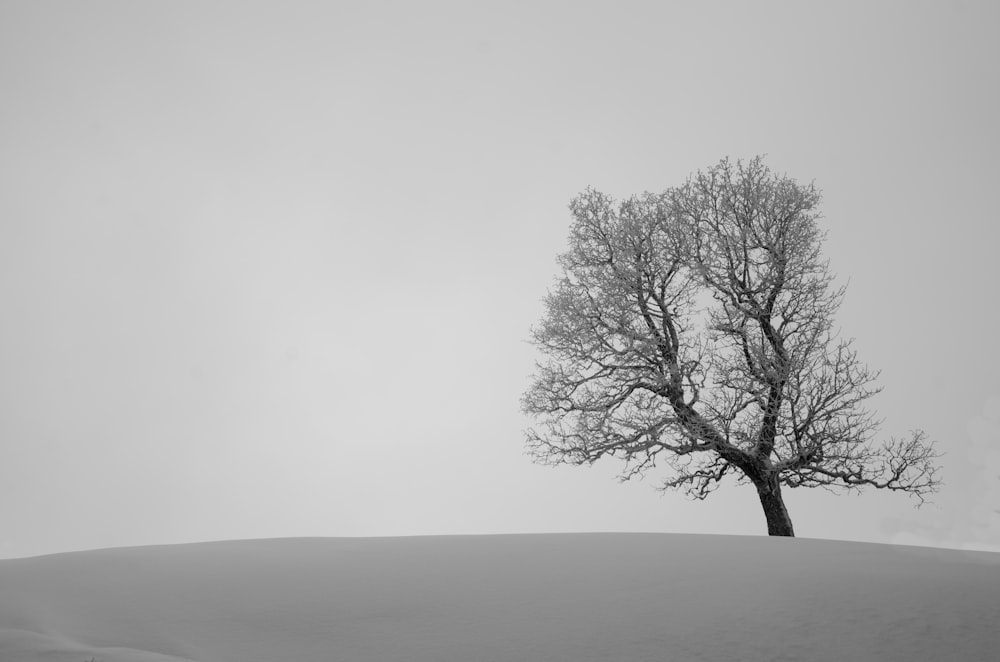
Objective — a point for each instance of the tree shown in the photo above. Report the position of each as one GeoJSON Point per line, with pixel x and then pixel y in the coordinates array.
{"type": "Point", "coordinates": [694, 328]}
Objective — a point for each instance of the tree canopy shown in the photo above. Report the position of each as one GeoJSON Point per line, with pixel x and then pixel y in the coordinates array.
{"type": "Point", "coordinates": [694, 330]}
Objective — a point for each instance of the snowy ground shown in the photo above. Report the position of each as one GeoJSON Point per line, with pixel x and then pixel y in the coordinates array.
{"type": "Point", "coordinates": [573, 597]}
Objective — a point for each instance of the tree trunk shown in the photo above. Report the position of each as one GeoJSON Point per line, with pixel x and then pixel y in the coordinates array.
{"type": "Point", "coordinates": [778, 521]}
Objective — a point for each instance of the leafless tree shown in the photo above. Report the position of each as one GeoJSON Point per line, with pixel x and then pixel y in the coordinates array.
{"type": "Point", "coordinates": [694, 329]}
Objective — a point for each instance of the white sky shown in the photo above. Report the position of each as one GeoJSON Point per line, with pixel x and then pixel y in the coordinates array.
{"type": "Point", "coordinates": [269, 269]}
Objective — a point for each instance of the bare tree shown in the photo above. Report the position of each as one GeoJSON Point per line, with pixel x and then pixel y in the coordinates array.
{"type": "Point", "coordinates": [694, 328]}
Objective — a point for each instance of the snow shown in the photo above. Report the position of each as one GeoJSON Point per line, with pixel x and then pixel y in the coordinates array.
{"type": "Point", "coordinates": [576, 597]}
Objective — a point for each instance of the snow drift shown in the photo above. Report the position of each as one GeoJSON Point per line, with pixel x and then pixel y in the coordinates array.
{"type": "Point", "coordinates": [573, 597]}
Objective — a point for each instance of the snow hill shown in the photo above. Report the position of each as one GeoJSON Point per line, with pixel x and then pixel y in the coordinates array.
{"type": "Point", "coordinates": [573, 597]}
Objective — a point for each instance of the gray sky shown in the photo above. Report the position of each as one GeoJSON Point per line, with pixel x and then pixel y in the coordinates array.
{"type": "Point", "coordinates": [269, 269]}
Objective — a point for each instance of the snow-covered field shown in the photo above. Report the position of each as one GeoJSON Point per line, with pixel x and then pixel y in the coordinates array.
{"type": "Point", "coordinates": [573, 597]}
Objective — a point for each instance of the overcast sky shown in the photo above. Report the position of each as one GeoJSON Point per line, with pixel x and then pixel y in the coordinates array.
{"type": "Point", "coordinates": [270, 269]}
